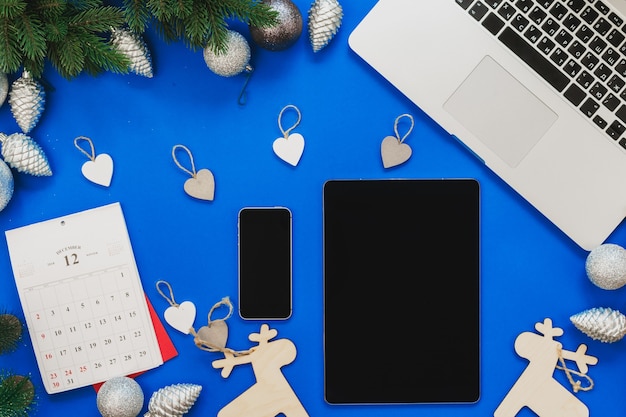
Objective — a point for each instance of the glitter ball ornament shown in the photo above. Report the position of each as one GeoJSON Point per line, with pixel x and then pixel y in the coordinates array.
{"type": "Point", "coordinates": [234, 60]}
{"type": "Point", "coordinates": [606, 266]}
{"type": "Point", "coordinates": [603, 324]}
{"type": "Point", "coordinates": [132, 45]}
{"type": "Point", "coordinates": [324, 21]}
{"type": "Point", "coordinates": [4, 87]}
{"type": "Point", "coordinates": [173, 401]}
{"type": "Point", "coordinates": [120, 397]}
{"type": "Point", "coordinates": [27, 99]}
{"type": "Point", "coordinates": [6, 185]}
{"type": "Point", "coordinates": [285, 33]}
{"type": "Point", "coordinates": [23, 154]}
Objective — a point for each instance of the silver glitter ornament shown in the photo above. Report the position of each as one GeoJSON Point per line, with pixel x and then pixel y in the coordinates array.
{"type": "Point", "coordinates": [27, 99]}
{"type": "Point", "coordinates": [120, 397]}
{"type": "Point", "coordinates": [284, 34]}
{"type": "Point", "coordinates": [603, 324]}
{"type": "Point", "coordinates": [22, 153]}
{"type": "Point", "coordinates": [606, 266]}
{"type": "Point", "coordinates": [173, 401]}
{"type": "Point", "coordinates": [232, 62]}
{"type": "Point", "coordinates": [132, 45]}
{"type": "Point", "coordinates": [4, 87]}
{"type": "Point", "coordinates": [6, 185]}
{"type": "Point", "coordinates": [324, 21]}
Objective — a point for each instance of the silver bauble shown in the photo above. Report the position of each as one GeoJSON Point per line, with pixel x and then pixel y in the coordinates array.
{"type": "Point", "coordinates": [132, 45]}
{"type": "Point", "coordinates": [6, 184]}
{"type": "Point", "coordinates": [606, 266]}
{"type": "Point", "coordinates": [120, 397]}
{"type": "Point", "coordinates": [285, 33]}
{"type": "Point", "coordinates": [27, 99]}
{"type": "Point", "coordinates": [173, 401]}
{"type": "Point", "coordinates": [22, 153]}
{"type": "Point", "coordinates": [324, 21]}
{"type": "Point", "coordinates": [4, 87]}
{"type": "Point", "coordinates": [603, 324]}
{"type": "Point", "coordinates": [234, 60]}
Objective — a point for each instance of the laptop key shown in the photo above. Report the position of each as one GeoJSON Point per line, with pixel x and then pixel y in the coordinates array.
{"type": "Point", "coordinates": [575, 94]}
{"type": "Point", "coordinates": [493, 3]}
{"type": "Point", "coordinates": [603, 8]}
{"type": "Point", "coordinates": [558, 11]}
{"type": "Point", "coordinates": [585, 79]}
{"type": "Point", "coordinates": [532, 34]}
{"type": "Point", "coordinates": [559, 57]}
{"type": "Point", "coordinates": [537, 15]}
{"type": "Point", "coordinates": [589, 15]}
{"type": "Point", "coordinates": [571, 22]}
{"type": "Point", "coordinates": [576, 5]}
{"type": "Point", "coordinates": [506, 11]}
{"type": "Point", "coordinates": [621, 113]}
{"type": "Point", "coordinates": [534, 59]}
{"type": "Point", "coordinates": [598, 91]}
{"type": "Point", "coordinates": [611, 102]}
{"type": "Point", "coordinates": [615, 38]}
{"type": "Point", "coordinates": [478, 10]}
{"type": "Point", "coordinates": [519, 22]}
{"type": "Point", "coordinates": [623, 143]}
{"type": "Point", "coordinates": [615, 130]}
{"type": "Point", "coordinates": [589, 107]}
{"type": "Point", "coordinates": [493, 23]}
{"type": "Point", "coordinates": [600, 122]}
{"type": "Point", "coordinates": [464, 3]}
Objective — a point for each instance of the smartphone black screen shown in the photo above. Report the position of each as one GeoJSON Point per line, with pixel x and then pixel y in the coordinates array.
{"type": "Point", "coordinates": [265, 263]}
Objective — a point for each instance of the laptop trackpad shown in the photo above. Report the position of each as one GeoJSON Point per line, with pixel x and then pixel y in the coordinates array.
{"type": "Point", "coordinates": [500, 111]}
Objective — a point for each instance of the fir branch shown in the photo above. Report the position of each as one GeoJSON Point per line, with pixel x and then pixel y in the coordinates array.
{"type": "Point", "coordinates": [31, 36]}
{"type": "Point", "coordinates": [97, 19]}
{"type": "Point", "coordinates": [136, 14]}
{"type": "Point", "coordinates": [10, 56]}
{"type": "Point", "coordinates": [11, 8]}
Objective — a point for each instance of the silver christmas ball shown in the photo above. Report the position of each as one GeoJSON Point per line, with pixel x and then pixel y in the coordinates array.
{"type": "Point", "coordinates": [6, 184]}
{"type": "Point", "coordinates": [4, 87]}
{"type": "Point", "coordinates": [606, 266]}
{"type": "Point", "coordinates": [120, 397]}
{"type": "Point", "coordinates": [232, 62]}
{"type": "Point", "coordinates": [284, 34]}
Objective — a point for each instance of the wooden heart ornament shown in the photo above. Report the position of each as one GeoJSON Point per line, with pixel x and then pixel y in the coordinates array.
{"type": "Point", "coordinates": [99, 170]}
{"type": "Point", "coordinates": [181, 316]}
{"type": "Point", "coordinates": [394, 152]}
{"type": "Point", "coordinates": [201, 185]}
{"type": "Point", "coordinates": [214, 335]}
{"type": "Point", "coordinates": [289, 148]}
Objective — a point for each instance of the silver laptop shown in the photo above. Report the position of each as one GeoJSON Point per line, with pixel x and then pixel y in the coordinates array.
{"type": "Point", "coordinates": [534, 88]}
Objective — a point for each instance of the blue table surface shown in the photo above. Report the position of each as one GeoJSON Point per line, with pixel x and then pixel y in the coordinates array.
{"type": "Point", "coordinates": [530, 270]}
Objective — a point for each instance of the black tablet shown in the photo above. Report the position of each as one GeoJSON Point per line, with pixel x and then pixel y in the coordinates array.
{"type": "Point", "coordinates": [401, 291]}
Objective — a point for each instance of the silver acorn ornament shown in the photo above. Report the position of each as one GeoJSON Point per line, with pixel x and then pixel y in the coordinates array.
{"type": "Point", "coordinates": [4, 87]}
{"type": "Point", "coordinates": [324, 21]}
{"type": "Point", "coordinates": [22, 153]}
{"type": "Point", "coordinates": [603, 324]}
{"type": "Point", "coordinates": [27, 99]}
{"type": "Point", "coordinates": [173, 400]}
{"type": "Point", "coordinates": [6, 185]}
{"type": "Point", "coordinates": [234, 60]}
{"type": "Point", "coordinates": [132, 45]}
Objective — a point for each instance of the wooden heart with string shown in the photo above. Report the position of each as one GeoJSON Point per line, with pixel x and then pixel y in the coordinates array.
{"type": "Point", "coordinates": [201, 185]}
{"type": "Point", "coordinates": [99, 169]}
{"type": "Point", "coordinates": [393, 150]}
{"type": "Point", "coordinates": [214, 335]}
{"type": "Point", "coordinates": [290, 147]}
{"type": "Point", "coordinates": [179, 316]}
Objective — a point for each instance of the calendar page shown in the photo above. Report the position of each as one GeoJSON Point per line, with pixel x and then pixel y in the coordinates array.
{"type": "Point", "coordinates": [82, 298]}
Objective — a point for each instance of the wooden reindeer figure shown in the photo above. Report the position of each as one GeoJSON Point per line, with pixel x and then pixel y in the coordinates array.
{"type": "Point", "coordinates": [272, 394]}
{"type": "Point", "coordinates": [536, 388]}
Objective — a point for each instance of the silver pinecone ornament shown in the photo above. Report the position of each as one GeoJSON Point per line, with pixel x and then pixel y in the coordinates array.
{"type": "Point", "coordinates": [135, 49]}
{"type": "Point", "coordinates": [603, 324]}
{"type": "Point", "coordinates": [173, 400]}
{"type": "Point", "coordinates": [23, 154]}
{"type": "Point", "coordinates": [27, 99]}
{"type": "Point", "coordinates": [324, 22]}
{"type": "Point", "coordinates": [4, 87]}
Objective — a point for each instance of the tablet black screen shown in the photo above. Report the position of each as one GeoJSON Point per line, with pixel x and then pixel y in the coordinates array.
{"type": "Point", "coordinates": [401, 291]}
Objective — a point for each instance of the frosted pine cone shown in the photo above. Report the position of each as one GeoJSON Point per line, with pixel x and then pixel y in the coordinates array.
{"type": "Point", "coordinates": [23, 154]}
{"type": "Point", "coordinates": [27, 99]}
{"type": "Point", "coordinates": [324, 21]}
{"type": "Point", "coordinates": [173, 400]}
{"type": "Point", "coordinates": [135, 49]}
{"type": "Point", "coordinates": [603, 324]}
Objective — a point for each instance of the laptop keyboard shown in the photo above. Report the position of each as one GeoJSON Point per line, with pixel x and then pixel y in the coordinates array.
{"type": "Point", "coordinates": [577, 46]}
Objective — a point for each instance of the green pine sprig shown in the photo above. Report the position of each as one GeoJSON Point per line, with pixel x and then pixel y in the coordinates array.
{"type": "Point", "coordinates": [73, 35]}
{"type": "Point", "coordinates": [198, 23]}
{"type": "Point", "coordinates": [17, 395]}
{"type": "Point", "coordinates": [11, 330]}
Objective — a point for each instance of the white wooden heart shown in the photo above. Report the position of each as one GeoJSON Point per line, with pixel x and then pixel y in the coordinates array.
{"type": "Point", "coordinates": [289, 149]}
{"type": "Point", "coordinates": [215, 334]}
{"type": "Point", "coordinates": [181, 316]}
{"type": "Point", "coordinates": [202, 186]}
{"type": "Point", "coordinates": [394, 152]}
{"type": "Point", "coordinates": [100, 170]}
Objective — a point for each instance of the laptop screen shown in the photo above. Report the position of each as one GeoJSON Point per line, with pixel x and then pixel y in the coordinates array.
{"type": "Point", "coordinates": [401, 291]}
